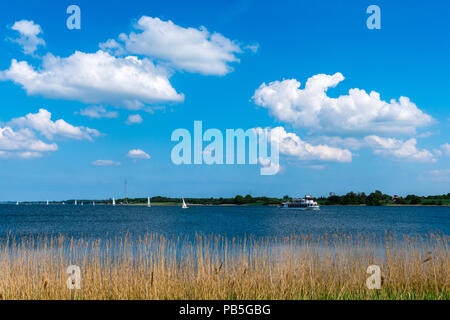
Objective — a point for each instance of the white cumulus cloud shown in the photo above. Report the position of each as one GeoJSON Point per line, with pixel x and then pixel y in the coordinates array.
{"type": "Point", "coordinates": [105, 163]}
{"type": "Point", "coordinates": [399, 149]}
{"type": "Point", "coordinates": [190, 49]}
{"type": "Point", "coordinates": [340, 142]}
{"type": "Point", "coordinates": [358, 112]}
{"type": "Point", "coordinates": [28, 35]}
{"type": "Point", "coordinates": [446, 149]}
{"type": "Point", "coordinates": [290, 144]}
{"type": "Point", "coordinates": [22, 144]}
{"type": "Point", "coordinates": [95, 78]}
{"type": "Point", "coordinates": [19, 138]}
{"type": "Point", "coordinates": [138, 154]}
{"type": "Point", "coordinates": [42, 123]}
{"type": "Point", "coordinates": [23, 139]}
{"type": "Point", "coordinates": [97, 112]}
{"type": "Point", "coordinates": [270, 166]}
{"type": "Point", "coordinates": [134, 119]}
{"type": "Point", "coordinates": [21, 155]}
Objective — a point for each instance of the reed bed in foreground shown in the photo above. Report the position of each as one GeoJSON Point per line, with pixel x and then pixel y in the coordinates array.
{"type": "Point", "coordinates": [214, 267]}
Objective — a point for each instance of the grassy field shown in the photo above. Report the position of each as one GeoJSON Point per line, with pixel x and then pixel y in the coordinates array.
{"type": "Point", "coordinates": [213, 267]}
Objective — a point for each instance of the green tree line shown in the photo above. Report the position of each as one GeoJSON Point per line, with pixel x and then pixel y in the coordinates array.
{"type": "Point", "coordinates": [376, 198]}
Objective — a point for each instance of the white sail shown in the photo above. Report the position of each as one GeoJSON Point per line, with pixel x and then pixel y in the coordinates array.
{"type": "Point", "coordinates": [82, 203]}
{"type": "Point", "coordinates": [184, 204]}
{"type": "Point", "coordinates": [149, 203]}
{"type": "Point", "coordinates": [114, 202]}
{"type": "Point", "coordinates": [47, 202]}
{"type": "Point", "coordinates": [76, 202]}
{"type": "Point", "coordinates": [17, 203]}
{"type": "Point", "coordinates": [93, 203]}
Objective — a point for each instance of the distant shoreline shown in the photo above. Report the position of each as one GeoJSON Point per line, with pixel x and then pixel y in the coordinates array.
{"type": "Point", "coordinates": [386, 205]}
{"type": "Point", "coordinates": [376, 198]}
{"type": "Point", "coordinates": [274, 205]}
{"type": "Point", "coordinates": [229, 205]}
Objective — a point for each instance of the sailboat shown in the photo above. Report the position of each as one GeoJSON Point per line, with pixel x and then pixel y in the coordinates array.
{"type": "Point", "coordinates": [149, 203]}
{"type": "Point", "coordinates": [114, 202]}
{"type": "Point", "coordinates": [17, 203]}
{"type": "Point", "coordinates": [63, 203]}
{"type": "Point", "coordinates": [76, 203]}
{"type": "Point", "coordinates": [93, 203]}
{"type": "Point", "coordinates": [82, 203]}
{"type": "Point", "coordinates": [47, 202]}
{"type": "Point", "coordinates": [184, 205]}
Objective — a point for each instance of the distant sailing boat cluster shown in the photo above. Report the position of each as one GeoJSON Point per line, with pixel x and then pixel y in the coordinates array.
{"type": "Point", "coordinates": [149, 203]}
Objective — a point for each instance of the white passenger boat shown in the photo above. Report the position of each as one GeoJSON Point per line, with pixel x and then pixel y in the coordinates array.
{"type": "Point", "coordinates": [307, 203]}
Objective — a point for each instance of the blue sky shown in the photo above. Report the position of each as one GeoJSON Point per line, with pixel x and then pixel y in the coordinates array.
{"type": "Point", "coordinates": [354, 142]}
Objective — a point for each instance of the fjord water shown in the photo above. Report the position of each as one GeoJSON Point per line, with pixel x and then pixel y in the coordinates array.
{"type": "Point", "coordinates": [232, 221]}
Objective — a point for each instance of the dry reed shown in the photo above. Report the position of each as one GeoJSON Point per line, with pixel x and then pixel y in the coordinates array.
{"type": "Point", "coordinates": [214, 267]}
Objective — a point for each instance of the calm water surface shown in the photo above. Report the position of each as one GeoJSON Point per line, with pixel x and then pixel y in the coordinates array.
{"type": "Point", "coordinates": [108, 222]}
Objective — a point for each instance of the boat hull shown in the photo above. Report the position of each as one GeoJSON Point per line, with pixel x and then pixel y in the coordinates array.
{"type": "Point", "coordinates": [301, 209]}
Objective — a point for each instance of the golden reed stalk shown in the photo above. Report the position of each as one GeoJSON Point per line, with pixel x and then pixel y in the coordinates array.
{"type": "Point", "coordinates": [213, 267]}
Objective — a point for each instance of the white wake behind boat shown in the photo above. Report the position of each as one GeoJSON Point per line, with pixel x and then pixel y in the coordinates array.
{"type": "Point", "coordinates": [306, 203]}
{"type": "Point", "coordinates": [184, 206]}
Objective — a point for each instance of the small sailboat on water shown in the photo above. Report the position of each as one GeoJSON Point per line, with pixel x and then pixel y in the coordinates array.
{"type": "Point", "coordinates": [114, 202]}
{"type": "Point", "coordinates": [47, 202]}
{"type": "Point", "coordinates": [149, 203]}
{"type": "Point", "coordinates": [76, 203]}
{"type": "Point", "coordinates": [17, 203]}
{"type": "Point", "coordinates": [184, 206]}
{"type": "Point", "coordinates": [93, 203]}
